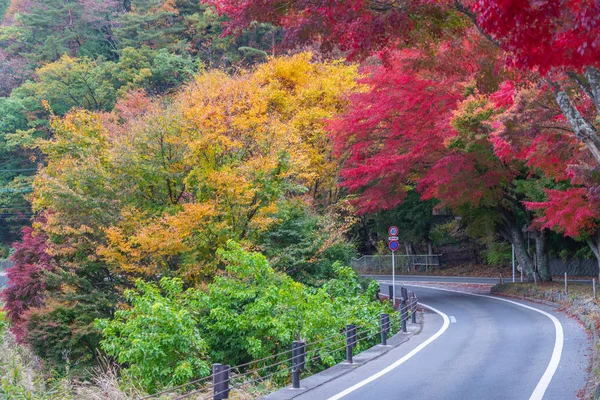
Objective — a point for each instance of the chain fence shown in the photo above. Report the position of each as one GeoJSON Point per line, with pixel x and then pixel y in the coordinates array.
{"type": "Point", "coordinates": [382, 264]}
{"type": "Point", "coordinates": [301, 358]}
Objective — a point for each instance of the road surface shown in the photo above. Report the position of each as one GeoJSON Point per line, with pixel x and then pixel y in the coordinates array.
{"type": "Point", "coordinates": [3, 279]}
{"type": "Point", "coordinates": [478, 348]}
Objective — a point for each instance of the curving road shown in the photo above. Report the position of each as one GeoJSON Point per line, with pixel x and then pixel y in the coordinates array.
{"type": "Point", "coordinates": [476, 347]}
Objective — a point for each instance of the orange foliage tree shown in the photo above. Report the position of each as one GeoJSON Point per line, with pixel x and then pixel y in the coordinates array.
{"type": "Point", "coordinates": [156, 186]}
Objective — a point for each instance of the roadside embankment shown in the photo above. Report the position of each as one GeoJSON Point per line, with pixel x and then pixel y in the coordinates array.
{"type": "Point", "coordinates": [578, 301]}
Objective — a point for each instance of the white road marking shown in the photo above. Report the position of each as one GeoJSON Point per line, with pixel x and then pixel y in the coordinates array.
{"type": "Point", "coordinates": [400, 361]}
{"type": "Point", "coordinates": [542, 386]}
{"type": "Point", "coordinates": [453, 319]}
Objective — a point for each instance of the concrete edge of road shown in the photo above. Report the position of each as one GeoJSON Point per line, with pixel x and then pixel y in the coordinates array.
{"type": "Point", "coordinates": [314, 381]}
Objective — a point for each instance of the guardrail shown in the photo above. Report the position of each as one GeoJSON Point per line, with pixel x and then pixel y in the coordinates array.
{"type": "Point", "coordinates": [382, 264]}
{"type": "Point", "coordinates": [225, 378]}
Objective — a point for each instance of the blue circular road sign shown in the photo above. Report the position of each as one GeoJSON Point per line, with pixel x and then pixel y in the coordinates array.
{"type": "Point", "coordinates": [394, 245]}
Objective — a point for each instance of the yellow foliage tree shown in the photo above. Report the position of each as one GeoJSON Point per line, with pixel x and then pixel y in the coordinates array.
{"type": "Point", "coordinates": [155, 187]}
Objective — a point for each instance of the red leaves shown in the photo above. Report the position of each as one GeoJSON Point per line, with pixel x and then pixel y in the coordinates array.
{"type": "Point", "coordinates": [393, 133]}
{"type": "Point", "coordinates": [26, 277]}
{"type": "Point", "coordinates": [461, 179]}
{"type": "Point", "coordinates": [505, 96]}
{"type": "Point", "coordinates": [544, 34]}
{"type": "Point", "coordinates": [571, 211]}
{"type": "Point", "coordinates": [355, 25]}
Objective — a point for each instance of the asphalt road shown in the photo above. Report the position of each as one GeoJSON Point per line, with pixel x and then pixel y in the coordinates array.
{"type": "Point", "coordinates": [480, 348]}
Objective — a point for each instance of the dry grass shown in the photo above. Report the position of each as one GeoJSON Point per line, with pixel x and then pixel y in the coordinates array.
{"type": "Point", "coordinates": [551, 291]}
{"type": "Point", "coordinates": [22, 377]}
{"type": "Point", "coordinates": [479, 270]}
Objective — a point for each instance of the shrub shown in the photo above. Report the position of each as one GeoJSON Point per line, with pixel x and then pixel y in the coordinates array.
{"type": "Point", "coordinates": [168, 336]}
{"type": "Point", "coordinates": [157, 338]}
{"type": "Point", "coordinates": [254, 311]}
{"type": "Point", "coordinates": [302, 245]}
{"type": "Point", "coordinates": [3, 321]}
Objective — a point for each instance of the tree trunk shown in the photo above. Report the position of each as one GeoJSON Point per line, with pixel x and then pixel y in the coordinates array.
{"type": "Point", "coordinates": [429, 248]}
{"type": "Point", "coordinates": [541, 252]}
{"type": "Point", "coordinates": [593, 76]}
{"type": "Point", "coordinates": [408, 246]}
{"type": "Point", "coordinates": [584, 131]}
{"type": "Point", "coordinates": [521, 254]}
{"type": "Point", "coordinates": [514, 235]}
{"type": "Point", "coordinates": [594, 243]}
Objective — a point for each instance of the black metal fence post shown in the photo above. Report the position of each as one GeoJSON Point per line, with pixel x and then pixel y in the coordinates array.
{"type": "Point", "coordinates": [384, 320]}
{"type": "Point", "coordinates": [298, 362]}
{"type": "Point", "coordinates": [391, 296]}
{"type": "Point", "coordinates": [220, 382]}
{"type": "Point", "coordinates": [350, 341]}
{"type": "Point", "coordinates": [404, 308]}
{"type": "Point", "coordinates": [413, 302]}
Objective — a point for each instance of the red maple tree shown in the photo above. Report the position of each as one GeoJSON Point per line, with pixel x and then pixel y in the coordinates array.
{"type": "Point", "coordinates": [26, 278]}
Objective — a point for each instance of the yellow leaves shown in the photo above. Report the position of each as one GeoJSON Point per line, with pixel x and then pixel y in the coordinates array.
{"type": "Point", "coordinates": [162, 184]}
{"type": "Point", "coordinates": [287, 73]}
{"type": "Point", "coordinates": [145, 246]}
{"type": "Point", "coordinates": [81, 130]}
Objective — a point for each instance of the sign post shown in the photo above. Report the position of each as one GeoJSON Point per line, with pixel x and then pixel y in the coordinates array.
{"type": "Point", "coordinates": [513, 263]}
{"type": "Point", "coordinates": [393, 245]}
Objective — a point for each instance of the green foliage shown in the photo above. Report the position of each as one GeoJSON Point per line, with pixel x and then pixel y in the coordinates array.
{"type": "Point", "coordinates": [158, 336]}
{"type": "Point", "coordinates": [3, 321]}
{"type": "Point", "coordinates": [13, 115]}
{"type": "Point", "coordinates": [254, 312]}
{"type": "Point", "coordinates": [448, 233]}
{"type": "Point", "coordinates": [166, 335]}
{"type": "Point", "coordinates": [498, 253]}
{"type": "Point", "coordinates": [3, 6]}
{"type": "Point", "coordinates": [63, 332]}
{"type": "Point", "coordinates": [67, 83]}
{"type": "Point", "coordinates": [94, 84]}
{"type": "Point", "coordinates": [149, 25]}
{"type": "Point", "coordinates": [300, 245]}
{"type": "Point", "coordinates": [48, 29]}
{"type": "Point", "coordinates": [414, 219]}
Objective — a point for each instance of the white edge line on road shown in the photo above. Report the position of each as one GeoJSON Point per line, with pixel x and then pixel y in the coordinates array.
{"type": "Point", "coordinates": [453, 319]}
{"type": "Point", "coordinates": [400, 361]}
{"type": "Point", "coordinates": [544, 382]}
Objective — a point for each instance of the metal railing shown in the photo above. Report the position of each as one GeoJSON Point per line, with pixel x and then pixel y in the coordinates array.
{"type": "Point", "coordinates": [382, 264]}
{"type": "Point", "coordinates": [225, 378]}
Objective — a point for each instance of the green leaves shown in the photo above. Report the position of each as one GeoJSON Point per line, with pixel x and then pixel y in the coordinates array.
{"type": "Point", "coordinates": [3, 321]}
{"type": "Point", "coordinates": [157, 337]}
{"type": "Point", "coordinates": [167, 335]}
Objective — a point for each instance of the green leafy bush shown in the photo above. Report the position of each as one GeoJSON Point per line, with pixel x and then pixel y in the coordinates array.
{"type": "Point", "coordinates": [168, 336]}
{"type": "Point", "coordinates": [498, 253]}
{"type": "Point", "coordinates": [158, 337]}
{"type": "Point", "coordinates": [254, 311]}
{"type": "Point", "coordinates": [301, 245]}
{"type": "Point", "coordinates": [3, 320]}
